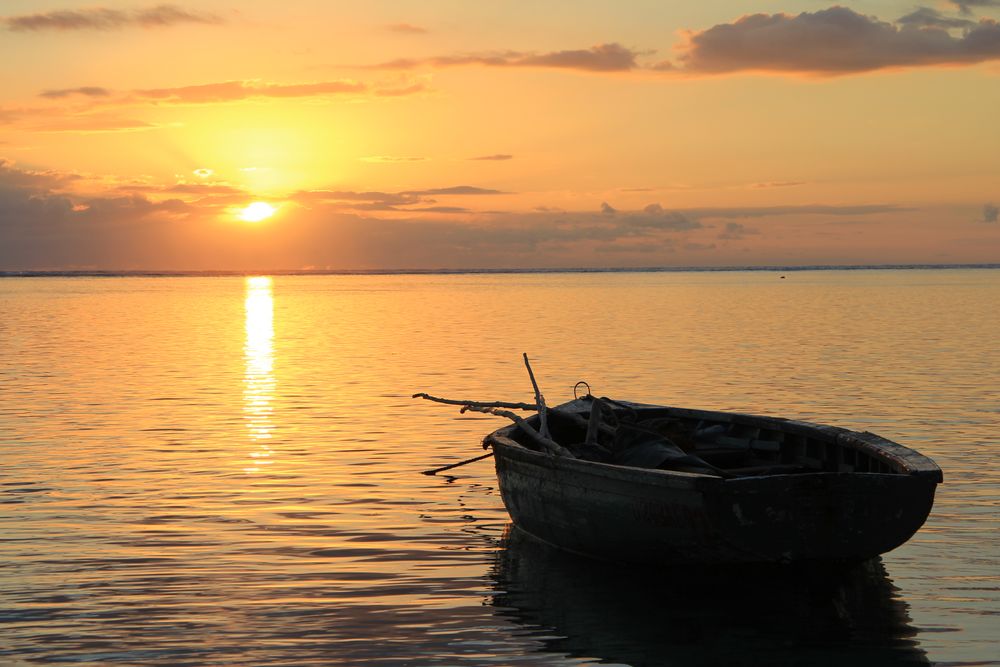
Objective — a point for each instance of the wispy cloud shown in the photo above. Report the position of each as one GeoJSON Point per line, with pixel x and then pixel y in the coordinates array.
{"type": "Point", "coordinates": [611, 57]}
{"type": "Point", "coordinates": [351, 200]}
{"type": "Point", "coordinates": [441, 209]}
{"type": "Point", "coordinates": [406, 201]}
{"type": "Point", "coordinates": [84, 91]}
{"type": "Point", "coordinates": [456, 190]}
{"type": "Point", "coordinates": [776, 184]}
{"type": "Point", "coordinates": [991, 213]}
{"type": "Point", "coordinates": [230, 91]}
{"type": "Point", "coordinates": [693, 246]}
{"type": "Point", "coordinates": [807, 209]}
{"type": "Point", "coordinates": [93, 99]}
{"type": "Point", "coordinates": [655, 216]}
{"type": "Point", "coordinates": [833, 42]}
{"type": "Point", "coordinates": [406, 29]}
{"type": "Point", "coordinates": [199, 189]}
{"type": "Point", "coordinates": [965, 6]}
{"type": "Point", "coordinates": [925, 17]}
{"type": "Point", "coordinates": [95, 115]}
{"type": "Point", "coordinates": [496, 157]}
{"type": "Point", "coordinates": [401, 91]}
{"type": "Point", "coordinates": [102, 18]}
{"type": "Point", "coordinates": [91, 124]}
{"type": "Point", "coordinates": [393, 158]}
{"type": "Point", "coordinates": [735, 231]}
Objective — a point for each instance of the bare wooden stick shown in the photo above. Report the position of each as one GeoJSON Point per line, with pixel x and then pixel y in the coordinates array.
{"type": "Point", "coordinates": [546, 443]}
{"type": "Point", "coordinates": [543, 418]}
{"type": "Point", "coordinates": [570, 416]}
{"type": "Point", "coordinates": [455, 465]}
{"type": "Point", "coordinates": [481, 404]}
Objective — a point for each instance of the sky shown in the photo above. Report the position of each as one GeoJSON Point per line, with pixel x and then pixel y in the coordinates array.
{"type": "Point", "coordinates": [382, 135]}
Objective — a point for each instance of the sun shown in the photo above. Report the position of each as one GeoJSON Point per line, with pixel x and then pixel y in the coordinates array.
{"type": "Point", "coordinates": [257, 211]}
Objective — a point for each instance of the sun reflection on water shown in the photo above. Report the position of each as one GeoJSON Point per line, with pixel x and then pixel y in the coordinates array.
{"type": "Point", "coordinates": [258, 379]}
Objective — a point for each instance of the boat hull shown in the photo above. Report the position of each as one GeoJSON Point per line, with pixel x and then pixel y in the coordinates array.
{"type": "Point", "coordinates": [625, 514]}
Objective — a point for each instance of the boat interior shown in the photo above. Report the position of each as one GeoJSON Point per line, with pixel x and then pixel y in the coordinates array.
{"type": "Point", "coordinates": [716, 444]}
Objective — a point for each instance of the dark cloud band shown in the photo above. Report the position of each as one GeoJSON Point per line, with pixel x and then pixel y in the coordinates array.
{"type": "Point", "coordinates": [836, 41]}
{"type": "Point", "coordinates": [101, 18]}
{"type": "Point", "coordinates": [600, 58]}
{"type": "Point", "coordinates": [85, 91]}
{"type": "Point", "coordinates": [829, 42]}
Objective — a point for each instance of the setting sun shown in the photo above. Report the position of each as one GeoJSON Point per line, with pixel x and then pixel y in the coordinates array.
{"type": "Point", "coordinates": [257, 211]}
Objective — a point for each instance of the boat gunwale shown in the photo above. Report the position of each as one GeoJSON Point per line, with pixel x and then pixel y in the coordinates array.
{"type": "Point", "coordinates": [909, 462]}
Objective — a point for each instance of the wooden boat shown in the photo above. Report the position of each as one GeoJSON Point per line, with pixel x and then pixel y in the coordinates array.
{"type": "Point", "coordinates": [783, 491]}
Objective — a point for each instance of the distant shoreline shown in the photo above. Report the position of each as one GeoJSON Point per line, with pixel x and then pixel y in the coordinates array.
{"type": "Point", "coordinates": [431, 272]}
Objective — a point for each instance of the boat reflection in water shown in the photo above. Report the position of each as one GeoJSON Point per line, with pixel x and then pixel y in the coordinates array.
{"type": "Point", "coordinates": [682, 616]}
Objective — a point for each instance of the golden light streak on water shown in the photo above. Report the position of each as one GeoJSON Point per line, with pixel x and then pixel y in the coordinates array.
{"type": "Point", "coordinates": [258, 379]}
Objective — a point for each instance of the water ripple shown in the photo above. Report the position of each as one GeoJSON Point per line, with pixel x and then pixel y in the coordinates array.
{"type": "Point", "coordinates": [218, 471]}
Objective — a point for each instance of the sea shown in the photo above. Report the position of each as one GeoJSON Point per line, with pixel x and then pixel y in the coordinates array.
{"type": "Point", "coordinates": [226, 470]}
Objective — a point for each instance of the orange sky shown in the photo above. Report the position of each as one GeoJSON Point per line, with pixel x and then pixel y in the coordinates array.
{"type": "Point", "coordinates": [394, 135]}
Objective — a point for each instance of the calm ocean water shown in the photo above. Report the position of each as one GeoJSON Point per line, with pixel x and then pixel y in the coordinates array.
{"type": "Point", "coordinates": [225, 471]}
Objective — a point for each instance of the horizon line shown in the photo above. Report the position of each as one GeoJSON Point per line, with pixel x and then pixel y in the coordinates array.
{"type": "Point", "coordinates": [123, 273]}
